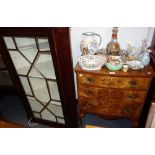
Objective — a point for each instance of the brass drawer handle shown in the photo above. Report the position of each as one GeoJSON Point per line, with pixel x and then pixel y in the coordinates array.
{"type": "Point", "coordinates": [88, 105]}
{"type": "Point", "coordinates": [90, 80]}
{"type": "Point", "coordinates": [127, 110]}
{"type": "Point", "coordinates": [130, 97]}
{"type": "Point", "coordinates": [133, 83]}
{"type": "Point", "coordinates": [89, 92]}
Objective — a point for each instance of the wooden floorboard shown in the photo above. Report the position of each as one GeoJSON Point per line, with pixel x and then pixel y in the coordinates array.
{"type": "Point", "coordinates": [7, 124]}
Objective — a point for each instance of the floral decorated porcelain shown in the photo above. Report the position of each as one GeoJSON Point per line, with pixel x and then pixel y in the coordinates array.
{"type": "Point", "coordinates": [139, 56]}
{"type": "Point", "coordinates": [94, 58]}
{"type": "Point", "coordinates": [92, 62]}
{"type": "Point", "coordinates": [90, 43]}
{"type": "Point", "coordinates": [114, 63]}
{"type": "Point", "coordinates": [135, 64]}
{"type": "Point", "coordinates": [145, 59]}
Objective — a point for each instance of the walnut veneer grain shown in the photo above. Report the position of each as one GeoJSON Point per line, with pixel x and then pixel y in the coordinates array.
{"type": "Point", "coordinates": [111, 94]}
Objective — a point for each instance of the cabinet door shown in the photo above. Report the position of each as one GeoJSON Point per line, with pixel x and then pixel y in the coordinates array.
{"type": "Point", "coordinates": [36, 61]}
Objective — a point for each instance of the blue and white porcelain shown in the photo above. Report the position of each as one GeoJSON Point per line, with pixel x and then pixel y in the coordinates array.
{"type": "Point", "coordinates": [145, 59]}
{"type": "Point", "coordinates": [135, 64]}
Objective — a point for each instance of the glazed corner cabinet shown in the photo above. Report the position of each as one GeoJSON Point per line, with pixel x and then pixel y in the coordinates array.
{"type": "Point", "coordinates": [6, 85]}
{"type": "Point", "coordinates": [113, 94]}
{"type": "Point", "coordinates": [39, 61]}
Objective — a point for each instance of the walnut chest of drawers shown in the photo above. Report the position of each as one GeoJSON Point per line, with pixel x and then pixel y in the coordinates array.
{"type": "Point", "coordinates": [113, 95]}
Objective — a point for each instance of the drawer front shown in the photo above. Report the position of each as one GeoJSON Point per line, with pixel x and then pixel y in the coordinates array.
{"type": "Point", "coordinates": [113, 82]}
{"type": "Point", "coordinates": [92, 106]}
{"type": "Point", "coordinates": [93, 92]}
{"type": "Point", "coordinates": [88, 105]}
{"type": "Point", "coordinates": [112, 96]}
{"type": "Point", "coordinates": [102, 81]}
{"type": "Point", "coordinates": [127, 96]}
{"type": "Point", "coordinates": [138, 83]}
{"type": "Point", "coordinates": [132, 110]}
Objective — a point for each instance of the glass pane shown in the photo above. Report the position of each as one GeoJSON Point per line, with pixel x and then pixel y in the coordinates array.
{"type": "Point", "coordinates": [54, 90]}
{"type": "Point", "coordinates": [29, 54]}
{"type": "Point", "coordinates": [56, 110]}
{"type": "Point", "coordinates": [44, 64]}
{"type": "Point", "coordinates": [33, 61]}
{"type": "Point", "coordinates": [37, 115]}
{"type": "Point", "coordinates": [40, 89]}
{"type": "Point", "coordinates": [26, 43]}
{"type": "Point", "coordinates": [9, 43]}
{"type": "Point", "coordinates": [35, 105]}
{"type": "Point", "coordinates": [35, 73]}
{"type": "Point", "coordinates": [28, 47]}
{"type": "Point", "coordinates": [60, 120]}
{"type": "Point", "coordinates": [43, 45]}
{"type": "Point", "coordinates": [21, 64]}
{"type": "Point", "coordinates": [55, 102]}
{"type": "Point", "coordinates": [47, 115]}
{"type": "Point", "coordinates": [26, 85]}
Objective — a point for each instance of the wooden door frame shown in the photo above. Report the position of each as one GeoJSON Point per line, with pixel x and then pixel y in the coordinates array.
{"type": "Point", "coordinates": [151, 92]}
{"type": "Point", "coordinates": [62, 57]}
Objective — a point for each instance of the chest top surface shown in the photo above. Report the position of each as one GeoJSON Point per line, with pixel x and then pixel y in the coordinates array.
{"type": "Point", "coordinates": [145, 72]}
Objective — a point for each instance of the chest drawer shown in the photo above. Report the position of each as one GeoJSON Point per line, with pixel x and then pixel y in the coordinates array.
{"type": "Point", "coordinates": [93, 106]}
{"type": "Point", "coordinates": [112, 96]}
{"type": "Point", "coordinates": [113, 82]}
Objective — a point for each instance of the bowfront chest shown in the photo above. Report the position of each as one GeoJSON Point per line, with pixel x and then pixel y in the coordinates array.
{"type": "Point", "coordinates": [113, 94]}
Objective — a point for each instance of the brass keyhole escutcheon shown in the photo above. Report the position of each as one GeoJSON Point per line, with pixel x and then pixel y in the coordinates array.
{"type": "Point", "coordinates": [88, 105]}
{"type": "Point", "coordinates": [130, 97]}
{"type": "Point", "coordinates": [90, 80]}
{"type": "Point", "coordinates": [127, 110]}
{"type": "Point", "coordinates": [89, 92]}
{"type": "Point", "coordinates": [133, 83]}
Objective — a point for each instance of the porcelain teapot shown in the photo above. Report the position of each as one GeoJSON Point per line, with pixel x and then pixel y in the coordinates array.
{"type": "Point", "coordinates": [90, 43]}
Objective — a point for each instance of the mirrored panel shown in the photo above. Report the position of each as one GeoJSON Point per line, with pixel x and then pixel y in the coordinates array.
{"type": "Point", "coordinates": [39, 88]}
{"type": "Point", "coordinates": [9, 43]}
{"type": "Point", "coordinates": [43, 44]}
{"type": "Point", "coordinates": [45, 114]}
{"type": "Point", "coordinates": [44, 64]}
{"type": "Point", "coordinates": [54, 90]}
{"type": "Point", "coordinates": [25, 85]}
{"type": "Point", "coordinates": [21, 64]}
{"type": "Point", "coordinates": [55, 109]}
{"type": "Point", "coordinates": [35, 105]}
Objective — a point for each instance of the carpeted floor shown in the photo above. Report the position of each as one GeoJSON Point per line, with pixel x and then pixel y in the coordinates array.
{"type": "Point", "coordinates": [12, 110]}
{"type": "Point", "coordinates": [117, 123]}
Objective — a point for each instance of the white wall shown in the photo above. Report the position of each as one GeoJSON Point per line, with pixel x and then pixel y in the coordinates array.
{"type": "Point", "coordinates": [131, 35]}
